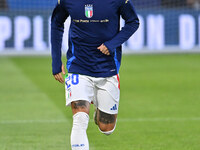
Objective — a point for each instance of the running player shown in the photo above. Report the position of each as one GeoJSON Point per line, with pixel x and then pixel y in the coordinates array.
{"type": "Point", "coordinates": [93, 60]}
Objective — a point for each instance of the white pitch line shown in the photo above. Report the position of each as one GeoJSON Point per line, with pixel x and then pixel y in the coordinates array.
{"type": "Point", "coordinates": [158, 119]}
{"type": "Point", "coordinates": [31, 121]}
{"type": "Point", "coordinates": [119, 120]}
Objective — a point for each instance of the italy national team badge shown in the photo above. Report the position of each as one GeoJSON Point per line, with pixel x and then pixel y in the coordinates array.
{"type": "Point", "coordinates": [89, 11]}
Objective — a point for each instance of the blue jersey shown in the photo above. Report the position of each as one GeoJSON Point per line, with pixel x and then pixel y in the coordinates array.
{"type": "Point", "coordinates": [93, 22]}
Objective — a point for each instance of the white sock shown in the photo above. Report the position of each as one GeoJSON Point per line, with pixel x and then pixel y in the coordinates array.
{"type": "Point", "coordinates": [79, 140]}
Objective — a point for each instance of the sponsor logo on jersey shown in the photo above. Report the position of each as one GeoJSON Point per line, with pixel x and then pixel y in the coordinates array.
{"type": "Point", "coordinates": [89, 11]}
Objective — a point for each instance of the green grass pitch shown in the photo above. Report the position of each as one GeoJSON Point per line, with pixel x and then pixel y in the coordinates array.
{"type": "Point", "coordinates": [159, 105]}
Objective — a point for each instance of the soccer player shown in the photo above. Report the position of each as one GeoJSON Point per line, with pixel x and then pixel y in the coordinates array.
{"type": "Point", "coordinates": [93, 60]}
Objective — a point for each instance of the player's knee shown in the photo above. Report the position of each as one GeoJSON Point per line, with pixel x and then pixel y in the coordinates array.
{"type": "Point", "coordinates": [107, 129]}
{"type": "Point", "coordinates": [106, 122]}
{"type": "Point", "coordinates": [80, 121]}
{"type": "Point", "coordinates": [80, 106]}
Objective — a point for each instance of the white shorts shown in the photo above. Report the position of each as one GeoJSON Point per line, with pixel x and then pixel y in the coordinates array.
{"type": "Point", "coordinates": [103, 92]}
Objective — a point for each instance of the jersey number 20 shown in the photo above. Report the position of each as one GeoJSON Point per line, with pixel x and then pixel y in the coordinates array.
{"type": "Point", "coordinates": [73, 79]}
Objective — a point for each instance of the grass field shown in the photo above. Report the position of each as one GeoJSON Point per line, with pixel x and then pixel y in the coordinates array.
{"type": "Point", "coordinates": [159, 105]}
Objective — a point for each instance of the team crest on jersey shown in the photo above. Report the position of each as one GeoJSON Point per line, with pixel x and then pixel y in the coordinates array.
{"type": "Point", "coordinates": [89, 11]}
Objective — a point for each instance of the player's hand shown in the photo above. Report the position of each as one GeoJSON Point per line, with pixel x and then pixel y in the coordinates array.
{"type": "Point", "coordinates": [104, 49]}
{"type": "Point", "coordinates": [59, 77]}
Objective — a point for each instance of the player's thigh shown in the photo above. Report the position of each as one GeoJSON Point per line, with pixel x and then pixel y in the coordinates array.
{"type": "Point", "coordinates": [108, 103]}
{"type": "Point", "coordinates": [78, 88]}
{"type": "Point", "coordinates": [107, 95]}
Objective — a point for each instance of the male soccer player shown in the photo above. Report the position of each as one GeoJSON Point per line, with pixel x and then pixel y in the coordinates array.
{"type": "Point", "coordinates": [93, 60]}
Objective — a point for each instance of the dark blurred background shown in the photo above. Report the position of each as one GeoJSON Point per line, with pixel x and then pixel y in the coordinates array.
{"type": "Point", "coordinates": [165, 24]}
{"type": "Point", "coordinates": [140, 4]}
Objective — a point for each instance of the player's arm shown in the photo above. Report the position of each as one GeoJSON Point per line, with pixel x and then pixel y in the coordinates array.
{"type": "Point", "coordinates": [57, 29]}
{"type": "Point", "coordinates": [128, 13]}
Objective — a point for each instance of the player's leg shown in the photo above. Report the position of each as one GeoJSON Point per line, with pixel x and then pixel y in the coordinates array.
{"type": "Point", "coordinates": [79, 93]}
{"type": "Point", "coordinates": [79, 139]}
{"type": "Point", "coordinates": [107, 104]}
{"type": "Point", "coordinates": [80, 106]}
{"type": "Point", "coordinates": [106, 122]}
